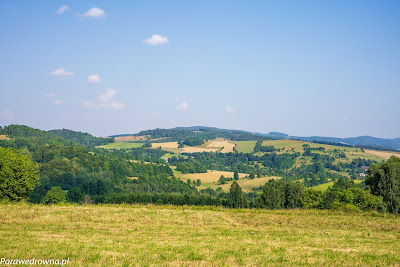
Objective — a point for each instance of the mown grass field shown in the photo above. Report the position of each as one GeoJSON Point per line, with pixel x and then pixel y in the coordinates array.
{"type": "Point", "coordinates": [382, 154]}
{"type": "Point", "coordinates": [121, 145]}
{"type": "Point", "coordinates": [244, 146]}
{"type": "Point", "coordinates": [137, 235]}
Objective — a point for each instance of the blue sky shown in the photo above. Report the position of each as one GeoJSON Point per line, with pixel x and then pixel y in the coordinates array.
{"type": "Point", "coordinates": [305, 68]}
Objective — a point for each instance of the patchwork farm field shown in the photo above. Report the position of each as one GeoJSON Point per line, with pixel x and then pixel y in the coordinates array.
{"type": "Point", "coordinates": [297, 146]}
{"type": "Point", "coordinates": [210, 179]}
{"type": "Point", "coordinates": [121, 145]}
{"type": "Point", "coordinates": [131, 235]}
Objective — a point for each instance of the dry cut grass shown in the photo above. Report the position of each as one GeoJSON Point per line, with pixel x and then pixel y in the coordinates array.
{"type": "Point", "coordinates": [382, 154]}
{"type": "Point", "coordinates": [124, 235]}
{"type": "Point", "coordinates": [165, 145]}
{"type": "Point", "coordinates": [224, 144]}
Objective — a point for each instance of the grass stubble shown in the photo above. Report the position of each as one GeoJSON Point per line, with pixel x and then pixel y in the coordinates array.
{"type": "Point", "coordinates": [133, 235]}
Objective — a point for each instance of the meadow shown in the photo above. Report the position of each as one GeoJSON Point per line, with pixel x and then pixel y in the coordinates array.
{"type": "Point", "coordinates": [121, 145]}
{"type": "Point", "coordinates": [297, 146]}
{"type": "Point", "coordinates": [325, 186]}
{"type": "Point", "coordinates": [132, 235]}
{"type": "Point", "coordinates": [244, 146]}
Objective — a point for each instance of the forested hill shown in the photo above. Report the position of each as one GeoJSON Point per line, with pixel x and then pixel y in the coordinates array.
{"type": "Point", "coordinates": [96, 173]}
{"type": "Point", "coordinates": [202, 132]}
{"type": "Point", "coordinates": [82, 138]}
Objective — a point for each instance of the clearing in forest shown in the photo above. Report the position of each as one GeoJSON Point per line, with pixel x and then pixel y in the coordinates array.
{"type": "Point", "coordinates": [4, 137]}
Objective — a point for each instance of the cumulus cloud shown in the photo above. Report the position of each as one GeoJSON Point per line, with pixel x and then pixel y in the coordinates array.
{"type": "Point", "coordinates": [105, 101]}
{"type": "Point", "coordinates": [229, 109]}
{"type": "Point", "coordinates": [62, 10]}
{"type": "Point", "coordinates": [58, 102]}
{"type": "Point", "coordinates": [61, 72]}
{"type": "Point", "coordinates": [50, 95]}
{"type": "Point", "coordinates": [156, 39]}
{"type": "Point", "coordinates": [95, 78]}
{"type": "Point", "coordinates": [182, 106]}
{"type": "Point", "coordinates": [94, 12]}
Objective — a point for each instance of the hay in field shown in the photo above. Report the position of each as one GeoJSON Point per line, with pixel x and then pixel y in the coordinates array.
{"type": "Point", "coordinates": [165, 145]}
{"type": "Point", "coordinates": [382, 154]}
{"type": "Point", "coordinates": [227, 147]}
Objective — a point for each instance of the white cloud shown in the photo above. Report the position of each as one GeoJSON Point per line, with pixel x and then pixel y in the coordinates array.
{"type": "Point", "coordinates": [58, 102]}
{"type": "Point", "coordinates": [61, 72]}
{"type": "Point", "coordinates": [156, 39]}
{"type": "Point", "coordinates": [62, 10]}
{"type": "Point", "coordinates": [182, 106]}
{"type": "Point", "coordinates": [95, 78]}
{"type": "Point", "coordinates": [105, 101]}
{"type": "Point", "coordinates": [50, 95]}
{"type": "Point", "coordinates": [95, 12]}
{"type": "Point", "coordinates": [229, 109]}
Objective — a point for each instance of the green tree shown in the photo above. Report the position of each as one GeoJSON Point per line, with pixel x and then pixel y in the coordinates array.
{"type": "Point", "coordinates": [74, 195]}
{"type": "Point", "coordinates": [273, 196]}
{"type": "Point", "coordinates": [311, 198]}
{"type": "Point", "coordinates": [222, 179]}
{"type": "Point", "coordinates": [252, 176]}
{"type": "Point", "coordinates": [383, 180]}
{"type": "Point", "coordinates": [18, 175]}
{"type": "Point", "coordinates": [236, 176]}
{"type": "Point", "coordinates": [236, 198]}
{"type": "Point", "coordinates": [293, 193]}
{"type": "Point", "coordinates": [198, 182]}
{"type": "Point", "coordinates": [54, 195]}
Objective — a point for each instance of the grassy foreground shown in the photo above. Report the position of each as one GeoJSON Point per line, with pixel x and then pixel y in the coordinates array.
{"type": "Point", "coordinates": [125, 235]}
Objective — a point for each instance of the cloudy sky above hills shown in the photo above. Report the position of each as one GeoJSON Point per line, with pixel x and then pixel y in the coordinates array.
{"type": "Point", "coordinates": [301, 67]}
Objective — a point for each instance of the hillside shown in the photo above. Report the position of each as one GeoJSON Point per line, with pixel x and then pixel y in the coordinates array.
{"type": "Point", "coordinates": [124, 235]}
{"type": "Point", "coordinates": [82, 138]}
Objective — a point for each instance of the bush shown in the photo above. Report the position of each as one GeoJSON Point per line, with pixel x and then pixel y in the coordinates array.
{"type": "Point", "coordinates": [345, 207]}
{"type": "Point", "coordinates": [54, 196]}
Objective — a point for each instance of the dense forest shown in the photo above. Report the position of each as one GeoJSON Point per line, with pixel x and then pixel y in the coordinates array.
{"type": "Point", "coordinates": [63, 165]}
